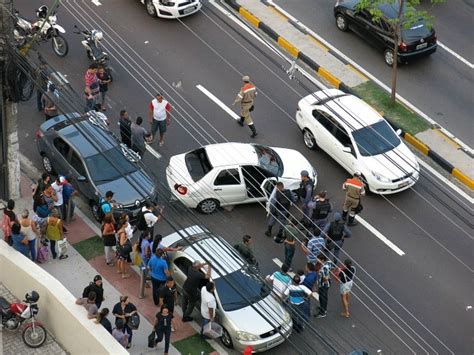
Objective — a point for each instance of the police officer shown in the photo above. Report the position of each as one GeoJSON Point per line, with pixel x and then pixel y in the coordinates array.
{"type": "Point", "coordinates": [321, 208]}
{"type": "Point", "coordinates": [334, 233]}
{"type": "Point", "coordinates": [246, 97]}
{"type": "Point", "coordinates": [306, 196]}
{"type": "Point", "coordinates": [354, 188]}
{"type": "Point", "coordinates": [280, 209]}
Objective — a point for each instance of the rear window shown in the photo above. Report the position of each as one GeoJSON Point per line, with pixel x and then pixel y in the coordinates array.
{"type": "Point", "coordinates": [416, 31]}
{"type": "Point", "coordinates": [198, 164]}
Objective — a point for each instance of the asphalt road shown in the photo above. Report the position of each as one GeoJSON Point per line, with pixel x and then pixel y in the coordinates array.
{"type": "Point", "coordinates": [441, 85]}
{"type": "Point", "coordinates": [401, 304]}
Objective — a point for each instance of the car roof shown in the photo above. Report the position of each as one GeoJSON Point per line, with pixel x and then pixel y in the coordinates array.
{"type": "Point", "coordinates": [223, 154]}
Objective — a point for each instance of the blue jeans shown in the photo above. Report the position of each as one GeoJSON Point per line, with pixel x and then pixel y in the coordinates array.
{"type": "Point", "coordinates": [289, 253]}
{"type": "Point", "coordinates": [128, 330]}
{"type": "Point", "coordinates": [32, 245]}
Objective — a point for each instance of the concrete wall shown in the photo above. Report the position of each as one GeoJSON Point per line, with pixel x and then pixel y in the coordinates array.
{"type": "Point", "coordinates": [57, 309]}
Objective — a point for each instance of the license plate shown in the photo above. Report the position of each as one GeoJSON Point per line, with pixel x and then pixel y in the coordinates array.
{"type": "Point", "coordinates": [421, 46]}
{"type": "Point", "coordinates": [189, 10]}
{"type": "Point", "coordinates": [403, 184]}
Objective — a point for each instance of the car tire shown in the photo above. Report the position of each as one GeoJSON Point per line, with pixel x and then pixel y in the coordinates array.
{"type": "Point", "coordinates": [309, 140]}
{"type": "Point", "coordinates": [208, 206]}
{"type": "Point", "coordinates": [150, 8]}
{"type": "Point", "coordinates": [226, 339]}
{"type": "Point", "coordinates": [341, 22]}
{"type": "Point", "coordinates": [47, 165]}
{"type": "Point", "coordinates": [388, 56]}
{"type": "Point", "coordinates": [95, 210]}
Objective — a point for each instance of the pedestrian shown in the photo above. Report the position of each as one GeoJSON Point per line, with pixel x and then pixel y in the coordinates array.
{"type": "Point", "coordinates": [245, 250]}
{"type": "Point", "coordinates": [159, 115]}
{"type": "Point", "coordinates": [156, 244]}
{"type": "Point", "coordinates": [280, 280]}
{"type": "Point", "coordinates": [140, 136]}
{"type": "Point", "coordinates": [91, 86]}
{"type": "Point", "coordinates": [297, 296]}
{"type": "Point", "coordinates": [125, 128]}
{"type": "Point", "coordinates": [97, 287]}
{"type": "Point", "coordinates": [102, 319]}
{"type": "Point", "coordinates": [159, 272]}
{"type": "Point", "coordinates": [321, 208]}
{"type": "Point", "coordinates": [164, 324]}
{"type": "Point", "coordinates": [306, 196]}
{"type": "Point", "coordinates": [69, 193]}
{"type": "Point", "coordinates": [324, 282]}
{"type": "Point", "coordinates": [310, 276]}
{"type": "Point", "coordinates": [30, 230]}
{"type": "Point", "coordinates": [192, 286]}
{"type": "Point", "coordinates": [8, 219]}
{"type": "Point", "coordinates": [119, 333]}
{"type": "Point", "coordinates": [49, 198]}
{"type": "Point", "coordinates": [106, 206]}
{"type": "Point", "coordinates": [290, 235]}
{"type": "Point", "coordinates": [122, 312]}
{"type": "Point", "coordinates": [313, 248]}
{"type": "Point", "coordinates": [147, 218]}
{"type": "Point", "coordinates": [54, 232]}
{"type": "Point", "coordinates": [335, 233]}
{"type": "Point", "coordinates": [19, 240]}
{"type": "Point", "coordinates": [145, 248]}
{"type": "Point", "coordinates": [49, 105]}
{"type": "Point", "coordinates": [89, 304]}
{"type": "Point", "coordinates": [354, 188]}
{"type": "Point", "coordinates": [246, 98]}
{"type": "Point", "coordinates": [104, 79]}
{"type": "Point", "coordinates": [168, 296]}
{"type": "Point", "coordinates": [124, 248]}
{"type": "Point", "coordinates": [280, 209]}
{"type": "Point", "coordinates": [346, 278]}
{"type": "Point", "coordinates": [208, 304]}
{"type": "Point", "coordinates": [109, 239]}
{"type": "Point", "coordinates": [41, 185]}
{"type": "Point", "coordinates": [57, 185]}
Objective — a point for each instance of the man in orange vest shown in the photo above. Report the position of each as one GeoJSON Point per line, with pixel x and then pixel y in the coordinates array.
{"type": "Point", "coordinates": [246, 97]}
{"type": "Point", "coordinates": [354, 188]}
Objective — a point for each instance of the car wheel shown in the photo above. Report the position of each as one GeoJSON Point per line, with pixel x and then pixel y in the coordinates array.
{"type": "Point", "coordinates": [226, 339]}
{"type": "Point", "coordinates": [150, 8]}
{"type": "Point", "coordinates": [208, 206]}
{"type": "Point", "coordinates": [47, 165]}
{"type": "Point", "coordinates": [388, 57]}
{"type": "Point", "coordinates": [341, 22]}
{"type": "Point", "coordinates": [95, 210]}
{"type": "Point", "coordinates": [309, 140]}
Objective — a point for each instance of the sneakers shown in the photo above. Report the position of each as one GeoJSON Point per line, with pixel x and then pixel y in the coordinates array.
{"type": "Point", "coordinates": [321, 315]}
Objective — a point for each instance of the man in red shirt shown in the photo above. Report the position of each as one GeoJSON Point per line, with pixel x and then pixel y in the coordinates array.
{"type": "Point", "coordinates": [159, 115]}
{"type": "Point", "coordinates": [92, 87]}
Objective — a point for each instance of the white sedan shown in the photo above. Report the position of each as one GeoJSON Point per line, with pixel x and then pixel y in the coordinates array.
{"type": "Point", "coordinates": [358, 138]}
{"type": "Point", "coordinates": [233, 173]}
{"type": "Point", "coordinates": [171, 8]}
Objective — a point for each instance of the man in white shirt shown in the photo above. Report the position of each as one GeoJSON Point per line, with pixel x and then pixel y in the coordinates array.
{"type": "Point", "coordinates": [208, 304]}
{"type": "Point", "coordinates": [280, 280]}
{"type": "Point", "coordinates": [57, 186]}
{"type": "Point", "coordinates": [159, 115]}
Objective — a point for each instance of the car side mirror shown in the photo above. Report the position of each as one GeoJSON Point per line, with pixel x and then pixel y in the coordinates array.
{"type": "Point", "coordinates": [398, 132]}
{"type": "Point", "coordinates": [81, 178]}
{"type": "Point", "coordinates": [347, 149]}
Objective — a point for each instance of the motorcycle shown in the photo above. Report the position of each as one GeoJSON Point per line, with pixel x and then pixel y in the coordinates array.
{"type": "Point", "coordinates": [44, 27]}
{"type": "Point", "coordinates": [15, 315]}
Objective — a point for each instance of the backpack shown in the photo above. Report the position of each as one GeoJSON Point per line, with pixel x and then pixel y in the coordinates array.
{"type": "Point", "coordinates": [43, 254]}
{"type": "Point", "coordinates": [100, 211]}
{"type": "Point", "coordinates": [87, 290]}
{"type": "Point", "coordinates": [322, 210]}
{"type": "Point", "coordinates": [336, 231]}
{"type": "Point", "coordinates": [141, 221]}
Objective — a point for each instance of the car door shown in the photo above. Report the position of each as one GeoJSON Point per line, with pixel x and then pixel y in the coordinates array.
{"type": "Point", "coordinates": [344, 150]}
{"type": "Point", "coordinates": [268, 189]}
{"type": "Point", "coordinates": [60, 155]}
{"type": "Point", "coordinates": [228, 186]}
{"type": "Point", "coordinates": [79, 176]}
{"type": "Point", "coordinates": [365, 27]}
{"type": "Point", "coordinates": [253, 178]}
{"type": "Point", "coordinates": [324, 133]}
{"type": "Point", "coordinates": [179, 269]}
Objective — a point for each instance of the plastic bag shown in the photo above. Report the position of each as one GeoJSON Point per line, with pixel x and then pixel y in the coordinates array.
{"type": "Point", "coordinates": [212, 330]}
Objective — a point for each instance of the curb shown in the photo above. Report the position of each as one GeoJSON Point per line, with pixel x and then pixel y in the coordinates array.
{"type": "Point", "coordinates": [338, 84]}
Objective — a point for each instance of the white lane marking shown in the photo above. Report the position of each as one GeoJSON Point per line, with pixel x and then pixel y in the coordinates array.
{"type": "Point", "coordinates": [446, 181]}
{"type": "Point", "coordinates": [96, 2]}
{"type": "Point", "coordinates": [152, 151]}
{"type": "Point", "coordinates": [379, 235]}
{"type": "Point", "coordinates": [461, 58]}
{"type": "Point", "coordinates": [218, 102]}
{"type": "Point", "coordinates": [279, 264]}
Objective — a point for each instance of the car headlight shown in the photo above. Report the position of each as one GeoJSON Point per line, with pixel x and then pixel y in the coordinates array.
{"type": "Point", "coordinates": [380, 177]}
{"type": "Point", "coordinates": [244, 336]}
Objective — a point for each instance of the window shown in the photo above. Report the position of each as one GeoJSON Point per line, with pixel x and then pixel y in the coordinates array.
{"type": "Point", "coordinates": [342, 136]}
{"type": "Point", "coordinates": [228, 177]}
{"type": "Point", "coordinates": [375, 139]}
{"type": "Point", "coordinates": [62, 147]}
{"type": "Point", "coordinates": [324, 119]}
{"type": "Point", "coordinates": [198, 164]}
{"type": "Point", "coordinates": [77, 165]}
{"type": "Point", "coordinates": [109, 165]}
{"type": "Point", "coordinates": [183, 264]}
{"type": "Point", "coordinates": [269, 160]}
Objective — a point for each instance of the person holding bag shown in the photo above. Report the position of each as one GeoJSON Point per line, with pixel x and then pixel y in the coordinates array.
{"type": "Point", "coordinates": [54, 232]}
{"type": "Point", "coordinates": [109, 239]}
{"type": "Point", "coordinates": [163, 324]}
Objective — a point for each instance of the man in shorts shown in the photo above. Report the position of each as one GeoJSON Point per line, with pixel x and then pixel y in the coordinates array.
{"type": "Point", "coordinates": [159, 116]}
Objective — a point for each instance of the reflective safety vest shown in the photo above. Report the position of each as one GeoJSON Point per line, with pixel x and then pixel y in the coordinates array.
{"type": "Point", "coordinates": [354, 188]}
{"type": "Point", "coordinates": [247, 93]}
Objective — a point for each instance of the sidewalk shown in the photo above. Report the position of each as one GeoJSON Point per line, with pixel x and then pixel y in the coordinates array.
{"type": "Point", "coordinates": [86, 260]}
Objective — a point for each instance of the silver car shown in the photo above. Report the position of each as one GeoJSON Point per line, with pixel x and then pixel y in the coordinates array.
{"type": "Point", "coordinates": [248, 311]}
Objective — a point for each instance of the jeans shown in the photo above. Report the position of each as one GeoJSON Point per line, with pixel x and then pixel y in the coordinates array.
{"type": "Point", "coordinates": [128, 330]}
{"type": "Point", "coordinates": [109, 254]}
{"type": "Point", "coordinates": [69, 210]}
{"type": "Point", "coordinates": [300, 315]}
{"type": "Point", "coordinates": [52, 246]}
{"type": "Point", "coordinates": [156, 284]}
{"type": "Point", "coordinates": [39, 103]}
{"type": "Point", "coordinates": [189, 302]}
{"type": "Point", "coordinates": [289, 253]}
{"type": "Point", "coordinates": [166, 332]}
{"type": "Point", "coordinates": [32, 245]}
{"type": "Point", "coordinates": [337, 245]}
{"type": "Point", "coordinates": [204, 322]}
{"type": "Point", "coordinates": [323, 299]}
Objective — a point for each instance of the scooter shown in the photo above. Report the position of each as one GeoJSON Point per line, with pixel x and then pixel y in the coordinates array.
{"type": "Point", "coordinates": [44, 28]}
{"type": "Point", "coordinates": [16, 315]}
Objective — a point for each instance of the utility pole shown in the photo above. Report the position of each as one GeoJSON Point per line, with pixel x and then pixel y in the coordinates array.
{"type": "Point", "coordinates": [9, 145]}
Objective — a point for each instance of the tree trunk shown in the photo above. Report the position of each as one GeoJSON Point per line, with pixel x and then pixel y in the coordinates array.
{"type": "Point", "coordinates": [396, 40]}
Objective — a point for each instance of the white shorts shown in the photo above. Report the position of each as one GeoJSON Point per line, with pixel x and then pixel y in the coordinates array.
{"type": "Point", "coordinates": [346, 287]}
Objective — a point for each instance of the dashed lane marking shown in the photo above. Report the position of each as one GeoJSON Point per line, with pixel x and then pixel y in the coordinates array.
{"type": "Point", "coordinates": [379, 235]}
{"type": "Point", "coordinates": [218, 102]}
{"type": "Point", "coordinates": [153, 152]}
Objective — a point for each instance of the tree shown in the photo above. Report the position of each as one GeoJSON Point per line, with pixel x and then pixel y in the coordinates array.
{"type": "Point", "coordinates": [407, 16]}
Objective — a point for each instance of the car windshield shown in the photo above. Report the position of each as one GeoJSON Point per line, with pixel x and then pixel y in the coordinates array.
{"type": "Point", "coordinates": [239, 289]}
{"type": "Point", "coordinates": [375, 139]}
{"type": "Point", "coordinates": [269, 160]}
{"type": "Point", "coordinates": [108, 166]}
{"type": "Point", "coordinates": [198, 164]}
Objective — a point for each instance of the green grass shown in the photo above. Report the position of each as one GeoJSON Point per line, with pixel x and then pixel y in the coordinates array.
{"type": "Point", "coordinates": [193, 346]}
{"type": "Point", "coordinates": [90, 248]}
{"type": "Point", "coordinates": [395, 113]}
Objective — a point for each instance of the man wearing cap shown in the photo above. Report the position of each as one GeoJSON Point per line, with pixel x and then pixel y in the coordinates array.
{"type": "Point", "coordinates": [159, 115]}
{"type": "Point", "coordinates": [57, 185]}
{"type": "Point", "coordinates": [246, 97]}
{"type": "Point", "coordinates": [354, 188]}
{"type": "Point", "coordinates": [306, 197]}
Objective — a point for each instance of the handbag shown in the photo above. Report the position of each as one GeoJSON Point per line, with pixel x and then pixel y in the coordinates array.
{"type": "Point", "coordinates": [62, 246]}
{"type": "Point", "coordinates": [134, 321]}
{"type": "Point", "coordinates": [151, 340]}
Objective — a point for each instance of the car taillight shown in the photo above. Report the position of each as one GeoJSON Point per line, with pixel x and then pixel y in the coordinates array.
{"type": "Point", "coordinates": [39, 134]}
{"type": "Point", "coordinates": [181, 189]}
{"type": "Point", "coordinates": [402, 47]}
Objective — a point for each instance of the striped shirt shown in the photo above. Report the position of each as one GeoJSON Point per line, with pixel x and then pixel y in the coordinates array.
{"type": "Point", "coordinates": [315, 246]}
{"type": "Point", "coordinates": [280, 282]}
{"type": "Point", "coordinates": [297, 294]}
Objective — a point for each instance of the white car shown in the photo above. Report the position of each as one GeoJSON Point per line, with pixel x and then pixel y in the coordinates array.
{"type": "Point", "coordinates": [358, 138]}
{"type": "Point", "coordinates": [171, 8]}
{"type": "Point", "coordinates": [233, 173]}
{"type": "Point", "coordinates": [247, 309]}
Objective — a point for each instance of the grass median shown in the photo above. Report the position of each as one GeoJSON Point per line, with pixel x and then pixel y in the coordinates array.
{"type": "Point", "coordinates": [90, 248]}
{"type": "Point", "coordinates": [194, 345]}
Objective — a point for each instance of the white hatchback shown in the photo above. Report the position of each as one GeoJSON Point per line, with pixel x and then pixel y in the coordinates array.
{"type": "Point", "coordinates": [358, 138]}
{"type": "Point", "coordinates": [233, 173]}
{"type": "Point", "coordinates": [171, 8]}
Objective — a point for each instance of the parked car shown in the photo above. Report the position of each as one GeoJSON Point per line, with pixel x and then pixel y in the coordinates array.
{"type": "Point", "coordinates": [69, 145]}
{"type": "Point", "coordinates": [233, 173]}
{"type": "Point", "coordinates": [418, 40]}
{"type": "Point", "coordinates": [358, 138]}
{"type": "Point", "coordinates": [247, 309]}
{"type": "Point", "coordinates": [171, 9]}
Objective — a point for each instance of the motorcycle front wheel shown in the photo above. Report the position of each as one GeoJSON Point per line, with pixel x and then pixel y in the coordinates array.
{"type": "Point", "coordinates": [60, 46]}
{"type": "Point", "coordinates": [34, 336]}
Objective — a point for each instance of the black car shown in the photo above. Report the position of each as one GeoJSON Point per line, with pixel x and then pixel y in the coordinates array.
{"type": "Point", "coordinates": [417, 41]}
{"type": "Point", "coordinates": [83, 149]}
